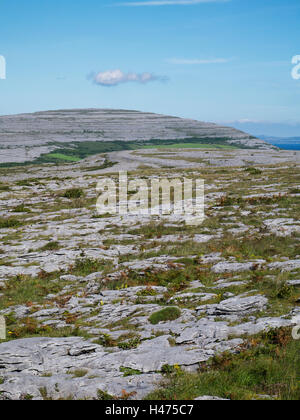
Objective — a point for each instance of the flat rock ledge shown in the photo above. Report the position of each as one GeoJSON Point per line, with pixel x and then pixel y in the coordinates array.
{"type": "Point", "coordinates": [36, 368]}
{"type": "Point", "coordinates": [236, 306]}
{"type": "Point", "coordinates": [63, 368]}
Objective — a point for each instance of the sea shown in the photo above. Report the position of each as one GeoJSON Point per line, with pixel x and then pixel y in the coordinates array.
{"type": "Point", "coordinates": [287, 146]}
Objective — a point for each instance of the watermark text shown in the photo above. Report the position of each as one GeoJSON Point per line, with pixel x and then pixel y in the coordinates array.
{"type": "Point", "coordinates": [2, 67]}
{"type": "Point", "coordinates": [2, 328]}
{"type": "Point", "coordinates": [296, 332]}
{"type": "Point", "coordinates": [296, 68]}
{"type": "Point", "coordinates": [155, 197]}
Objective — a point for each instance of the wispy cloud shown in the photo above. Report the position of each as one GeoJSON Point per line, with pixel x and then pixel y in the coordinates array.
{"type": "Point", "coordinates": [168, 2]}
{"type": "Point", "coordinates": [117, 77]}
{"type": "Point", "coordinates": [197, 61]}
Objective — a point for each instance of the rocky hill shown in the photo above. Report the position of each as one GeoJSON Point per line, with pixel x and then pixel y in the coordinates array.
{"type": "Point", "coordinates": [25, 137]}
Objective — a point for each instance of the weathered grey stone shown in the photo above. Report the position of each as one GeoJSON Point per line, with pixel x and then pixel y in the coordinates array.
{"type": "Point", "coordinates": [223, 284]}
{"type": "Point", "coordinates": [69, 278]}
{"type": "Point", "coordinates": [19, 311]}
{"type": "Point", "coordinates": [63, 386]}
{"type": "Point", "coordinates": [285, 265]}
{"type": "Point", "coordinates": [24, 361]}
{"type": "Point", "coordinates": [46, 313]}
{"type": "Point", "coordinates": [295, 316]}
{"type": "Point", "coordinates": [193, 297]}
{"type": "Point", "coordinates": [238, 306]}
{"type": "Point", "coordinates": [293, 282]}
{"type": "Point", "coordinates": [282, 227]}
{"type": "Point", "coordinates": [224, 267]}
{"type": "Point", "coordinates": [152, 355]}
{"type": "Point", "coordinates": [262, 324]}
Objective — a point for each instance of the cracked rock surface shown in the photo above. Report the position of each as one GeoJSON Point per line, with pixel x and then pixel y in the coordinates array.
{"type": "Point", "coordinates": [107, 304]}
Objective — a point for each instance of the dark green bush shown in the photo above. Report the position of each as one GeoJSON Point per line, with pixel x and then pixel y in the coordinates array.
{"type": "Point", "coordinates": [9, 223]}
{"type": "Point", "coordinates": [166, 314]}
{"type": "Point", "coordinates": [73, 193]}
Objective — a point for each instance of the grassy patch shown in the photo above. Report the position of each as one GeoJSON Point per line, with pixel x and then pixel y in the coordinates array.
{"type": "Point", "coordinates": [253, 171]}
{"type": "Point", "coordinates": [175, 280]}
{"type": "Point", "coordinates": [259, 246]}
{"type": "Point", "coordinates": [51, 246]}
{"type": "Point", "coordinates": [60, 156]}
{"type": "Point", "coordinates": [104, 396]}
{"type": "Point", "coordinates": [129, 372]}
{"type": "Point", "coordinates": [147, 292]}
{"type": "Point", "coordinates": [73, 193]}
{"type": "Point", "coordinates": [86, 266]}
{"type": "Point", "coordinates": [211, 146]}
{"type": "Point", "coordinates": [276, 372]}
{"type": "Point", "coordinates": [10, 222]}
{"type": "Point", "coordinates": [4, 188]}
{"type": "Point", "coordinates": [157, 230]}
{"type": "Point", "coordinates": [29, 327]}
{"type": "Point", "coordinates": [79, 373]}
{"type": "Point", "coordinates": [130, 344]}
{"type": "Point", "coordinates": [74, 151]}
{"type": "Point", "coordinates": [166, 314]}
{"type": "Point", "coordinates": [25, 289]}
{"type": "Point", "coordinates": [282, 200]}
{"type": "Point", "coordinates": [21, 208]}
{"type": "Point", "coordinates": [107, 164]}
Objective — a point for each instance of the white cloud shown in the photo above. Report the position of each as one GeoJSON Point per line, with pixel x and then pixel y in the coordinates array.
{"type": "Point", "coordinates": [168, 2]}
{"type": "Point", "coordinates": [197, 61]}
{"type": "Point", "coordinates": [117, 77]}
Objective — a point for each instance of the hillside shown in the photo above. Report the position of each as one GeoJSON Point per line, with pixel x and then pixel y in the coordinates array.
{"type": "Point", "coordinates": [26, 137]}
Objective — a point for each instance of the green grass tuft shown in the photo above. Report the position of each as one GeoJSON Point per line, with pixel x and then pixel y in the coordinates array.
{"type": "Point", "coordinates": [166, 314]}
{"type": "Point", "coordinates": [11, 222]}
{"type": "Point", "coordinates": [73, 193]}
{"type": "Point", "coordinates": [270, 366]}
{"type": "Point", "coordinates": [51, 246]}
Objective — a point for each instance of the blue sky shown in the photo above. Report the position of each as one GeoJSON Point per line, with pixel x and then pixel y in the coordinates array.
{"type": "Point", "coordinates": [221, 61]}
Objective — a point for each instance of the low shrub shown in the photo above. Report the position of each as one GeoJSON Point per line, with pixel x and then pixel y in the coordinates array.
{"type": "Point", "coordinates": [73, 193]}
{"type": "Point", "coordinates": [166, 314]}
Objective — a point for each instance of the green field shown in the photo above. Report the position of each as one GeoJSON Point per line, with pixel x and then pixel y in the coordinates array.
{"type": "Point", "coordinates": [60, 156]}
{"type": "Point", "coordinates": [76, 151]}
{"type": "Point", "coordinates": [191, 146]}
